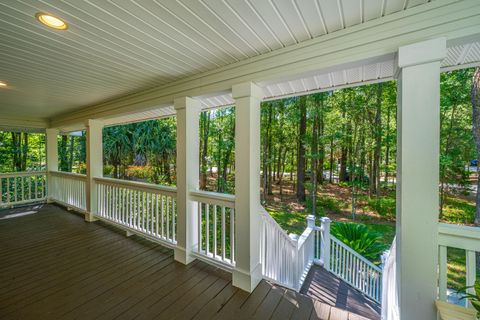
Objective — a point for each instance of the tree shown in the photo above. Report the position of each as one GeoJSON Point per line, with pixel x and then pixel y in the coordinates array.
{"type": "Point", "coordinates": [302, 128]}
{"type": "Point", "coordinates": [475, 96]}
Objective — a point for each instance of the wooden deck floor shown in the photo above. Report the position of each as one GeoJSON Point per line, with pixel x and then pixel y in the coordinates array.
{"type": "Point", "coordinates": [325, 287]}
{"type": "Point", "coordinates": [56, 266]}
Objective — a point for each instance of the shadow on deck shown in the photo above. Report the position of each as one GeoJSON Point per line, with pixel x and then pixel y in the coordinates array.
{"type": "Point", "coordinates": [55, 266]}
{"type": "Point", "coordinates": [327, 288]}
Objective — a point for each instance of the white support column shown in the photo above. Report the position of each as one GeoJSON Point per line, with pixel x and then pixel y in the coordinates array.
{"type": "Point", "coordinates": [51, 144]}
{"type": "Point", "coordinates": [94, 164]}
{"type": "Point", "coordinates": [188, 113]}
{"type": "Point", "coordinates": [248, 272]}
{"type": "Point", "coordinates": [418, 139]}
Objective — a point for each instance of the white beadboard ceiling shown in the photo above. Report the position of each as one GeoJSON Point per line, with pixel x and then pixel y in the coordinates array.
{"type": "Point", "coordinates": [117, 47]}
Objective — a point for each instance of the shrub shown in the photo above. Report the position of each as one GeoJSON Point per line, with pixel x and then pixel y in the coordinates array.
{"type": "Point", "coordinates": [361, 239]}
{"type": "Point", "coordinates": [458, 211]}
{"type": "Point", "coordinates": [139, 172]}
{"type": "Point", "coordinates": [383, 206]}
{"type": "Point", "coordinates": [325, 205]}
{"type": "Point", "coordinates": [107, 170]}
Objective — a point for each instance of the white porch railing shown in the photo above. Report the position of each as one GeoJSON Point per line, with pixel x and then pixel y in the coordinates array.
{"type": "Point", "coordinates": [216, 227]}
{"type": "Point", "coordinates": [139, 207]}
{"type": "Point", "coordinates": [68, 189]}
{"type": "Point", "coordinates": [461, 237]}
{"type": "Point", "coordinates": [390, 309]}
{"type": "Point", "coordinates": [22, 187]}
{"type": "Point", "coordinates": [355, 269]}
{"type": "Point", "coordinates": [285, 260]}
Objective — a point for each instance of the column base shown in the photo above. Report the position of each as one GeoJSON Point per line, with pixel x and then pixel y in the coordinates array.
{"type": "Point", "coordinates": [245, 280]}
{"type": "Point", "coordinates": [89, 217]}
{"type": "Point", "coordinates": [181, 255]}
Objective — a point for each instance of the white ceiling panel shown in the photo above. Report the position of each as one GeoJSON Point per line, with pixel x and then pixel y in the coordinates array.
{"type": "Point", "coordinates": [116, 47]}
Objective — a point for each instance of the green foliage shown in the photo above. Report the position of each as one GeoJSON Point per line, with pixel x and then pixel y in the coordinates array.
{"type": "Point", "coordinates": [384, 206]}
{"type": "Point", "coordinates": [290, 221]}
{"type": "Point", "coordinates": [456, 210]}
{"type": "Point", "coordinates": [325, 205]}
{"type": "Point", "coordinates": [387, 232]}
{"type": "Point", "coordinates": [107, 170]}
{"type": "Point", "coordinates": [219, 144]}
{"type": "Point", "coordinates": [474, 298]}
{"type": "Point", "coordinates": [360, 238]}
{"type": "Point", "coordinates": [72, 152]}
{"type": "Point", "coordinates": [15, 155]}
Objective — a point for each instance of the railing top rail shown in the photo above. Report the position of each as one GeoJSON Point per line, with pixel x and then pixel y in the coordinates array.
{"type": "Point", "coordinates": [223, 199]}
{"type": "Point", "coordinates": [141, 186]}
{"type": "Point", "coordinates": [304, 236]}
{"type": "Point", "coordinates": [459, 231]}
{"type": "Point", "coordinates": [267, 216]}
{"type": "Point", "coordinates": [72, 175]}
{"type": "Point", "coordinates": [356, 254]}
{"type": "Point", "coordinates": [22, 174]}
{"type": "Point", "coordinates": [462, 237]}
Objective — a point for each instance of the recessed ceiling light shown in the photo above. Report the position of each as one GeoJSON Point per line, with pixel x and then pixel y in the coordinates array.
{"type": "Point", "coordinates": [51, 21]}
{"type": "Point", "coordinates": [2, 84]}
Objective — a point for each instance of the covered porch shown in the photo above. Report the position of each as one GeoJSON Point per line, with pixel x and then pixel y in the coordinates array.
{"type": "Point", "coordinates": [221, 255]}
{"type": "Point", "coordinates": [56, 266]}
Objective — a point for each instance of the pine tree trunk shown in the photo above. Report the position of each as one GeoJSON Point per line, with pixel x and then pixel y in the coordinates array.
{"type": "Point", "coordinates": [70, 157]}
{"type": "Point", "coordinates": [387, 146]}
{"type": "Point", "coordinates": [269, 150]}
{"type": "Point", "coordinates": [63, 153]}
{"type": "Point", "coordinates": [344, 153]}
{"type": "Point", "coordinates": [301, 150]}
{"type": "Point", "coordinates": [378, 142]}
{"type": "Point", "coordinates": [314, 162]}
{"type": "Point", "coordinates": [475, 94]}
{"type": "Point", "coordinates": [330, 178]}
{"type": "Point", "coordinates": [205, 118]}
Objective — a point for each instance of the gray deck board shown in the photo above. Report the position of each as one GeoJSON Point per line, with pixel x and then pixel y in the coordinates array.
{"type": "Point", "coordinates": [56, 266]}
{"type": "Point", "coordinates": [327, 288]}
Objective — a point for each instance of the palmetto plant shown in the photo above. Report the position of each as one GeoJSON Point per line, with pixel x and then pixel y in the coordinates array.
{"type": "Point", "coordinates": [361, 239]}
{"type": "Point", "coordinates": [473, 297]}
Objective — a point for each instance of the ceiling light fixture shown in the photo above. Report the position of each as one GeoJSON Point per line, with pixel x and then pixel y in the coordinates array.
{"type": "Point", "coordinates": [51, 21]}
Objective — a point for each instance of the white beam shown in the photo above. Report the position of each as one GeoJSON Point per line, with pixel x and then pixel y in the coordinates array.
{"type": "Point", "coordinates": [23, 122]}
{"type": "Point", "coordinates": [418, 140]}
{"type": "Point", "coordinates": [188, 111]}
{"type": "Point", "coordinates": [248, 272]}
{"type": "Point", "coordinates": [94, 164]}
{"type": "Point", "coordinates": [375, 38]}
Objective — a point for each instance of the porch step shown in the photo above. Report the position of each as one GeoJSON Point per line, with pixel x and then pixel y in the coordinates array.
{"type": "Point", "coordinates": [327, 288]}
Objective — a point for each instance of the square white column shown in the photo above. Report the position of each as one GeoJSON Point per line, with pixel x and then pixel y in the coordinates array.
{"type": "Point", "coordinates": [94, 164]}
{"type": "Point", "coordinates": [248, 272]}
{"type": "Point", "coordinates": [418, 140]}
{"type": "Point", "coordinates": [51, 145]}
{"type": "Point", "coordinates": [188, 117]}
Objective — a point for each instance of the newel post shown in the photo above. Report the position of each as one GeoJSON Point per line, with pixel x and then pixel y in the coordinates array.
{"type": "Point", "coordinates": [325, 242]}
{"type": "Point", "coordinates": [311, 221]}
{"type": "Point", "coordinates": [94, 137]}
{"type": "Point", "coordinates": [188, 113]}
{"type": "Point", "coordinates": [52, 158]}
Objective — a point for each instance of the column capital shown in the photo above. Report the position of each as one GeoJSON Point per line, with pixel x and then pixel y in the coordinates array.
{"type": "Point", "coordinates": [247, 89]}
{"type": "Point", "coordinates": [182, 103]}
{"type": "Point", "coordinates": [422, 52]}
{"type": "Point", "coordinates": [92, 122]}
